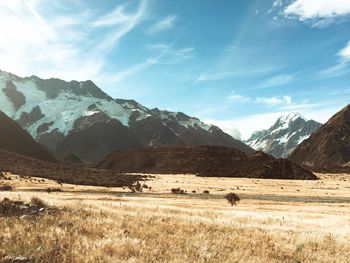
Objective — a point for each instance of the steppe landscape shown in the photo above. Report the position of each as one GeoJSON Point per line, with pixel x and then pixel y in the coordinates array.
{"type": "Point", "coordinates": [275, 221]}
{"type": "Point", "coordinates": [175, 131]}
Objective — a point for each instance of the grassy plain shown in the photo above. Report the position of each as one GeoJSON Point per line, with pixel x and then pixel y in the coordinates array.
{"type": "Point", "coordinates": [276, 221]}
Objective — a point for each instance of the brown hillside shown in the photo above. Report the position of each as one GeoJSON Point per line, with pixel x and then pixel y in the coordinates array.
{"type": "Point", "coordinates": [14, 139]}
{"type": "Point", "coordinates": [204, 161]}
{"type": "Point", "coordinates": [327, 150]}
{"type": "Point", "coordinates": [25, 166]}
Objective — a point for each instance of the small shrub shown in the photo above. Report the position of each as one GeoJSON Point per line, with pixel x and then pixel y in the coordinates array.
{"type": "Point", "coordinates": [51, 190]}
{"type": "Point", "coordinates": [206, 192]}
{"type": "Point", "coordinates": [194, 191]}
{"type": "Point", "coordinates": [6, 187]}
{"type": "Point", "coordinates": [138, 187]}
{"type": "Point", "coordinates": [178, 191]}
{"type": "Point", "coordinates": [232, 198]}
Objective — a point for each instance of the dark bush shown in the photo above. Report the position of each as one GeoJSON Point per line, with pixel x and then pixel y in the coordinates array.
{"type": "Point", "coordinates": [205, 192]}
{"type": "Point", "coordinates": [138, 187]}
{"type": "Point", "coordinates": [178, 191]}
{"type": "Point", "coordinates": [51, 190]}
{"type": "Point", "coordinates": [6, 187]}
{"type": "Point", "coordinates": [232, 198]}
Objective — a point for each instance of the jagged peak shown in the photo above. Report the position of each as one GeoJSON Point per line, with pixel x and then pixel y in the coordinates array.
{"type": "Point", "coordinates": [290, 117]}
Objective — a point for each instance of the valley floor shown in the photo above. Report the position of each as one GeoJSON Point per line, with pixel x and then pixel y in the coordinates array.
{"type": "Point", "coordinates": [276, 221]}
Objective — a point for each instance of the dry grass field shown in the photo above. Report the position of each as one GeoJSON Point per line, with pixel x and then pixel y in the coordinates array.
{"type": "Point", "coordinates": [276, 221]}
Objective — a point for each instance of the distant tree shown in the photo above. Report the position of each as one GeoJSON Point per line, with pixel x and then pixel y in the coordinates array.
{"type": "Point", "coordinates": [232, 198]}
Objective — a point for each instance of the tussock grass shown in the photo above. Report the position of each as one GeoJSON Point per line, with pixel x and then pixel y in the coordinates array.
{"type": "Point", "coordinates": [120, 233]}
{"type": "Point", "coordinates": [105, 225]}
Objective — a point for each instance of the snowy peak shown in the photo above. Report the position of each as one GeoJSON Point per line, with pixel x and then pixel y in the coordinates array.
{"type": "Point", "coordinates": [290, 117]}
{"type": "Point", "coordinates": [284, 135]}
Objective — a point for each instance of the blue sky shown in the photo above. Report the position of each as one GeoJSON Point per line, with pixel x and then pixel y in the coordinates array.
{"type": "Point", "coordinates": [236, 63]}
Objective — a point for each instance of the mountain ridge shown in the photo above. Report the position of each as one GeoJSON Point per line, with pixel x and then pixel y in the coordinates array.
{"type": "Point", "coordinates": [54, 111]}
{"type": "Point", "coordinates": [204, 161]}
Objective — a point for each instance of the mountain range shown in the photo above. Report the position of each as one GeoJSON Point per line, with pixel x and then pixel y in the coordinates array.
{"type": "Point", "coordinates": [284, 135]}
{"type": "Point", "coordinates": [79, 118]}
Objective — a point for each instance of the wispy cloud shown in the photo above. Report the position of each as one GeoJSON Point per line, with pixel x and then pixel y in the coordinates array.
{"type": "Point", "coordinates": [164, 55]}
{"type": "Point", "coordinates": [162, 25]}
{"type": "Point", "coordinates": [279, 80]}
{"type": "Point", "coordinates": [342, 67]}
{"type": "Point", "coordinates": [167, 54]}
{"type": "Point", "coordinates": [220, 74]}
{"type": "Point", "coordinates": [128, 72]}
{"type": "Point", "coordinates": [64, 45]}
{"type": "Point", "coordinates": [345, 52]}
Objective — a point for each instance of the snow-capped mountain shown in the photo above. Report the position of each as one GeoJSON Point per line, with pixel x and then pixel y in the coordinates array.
{"type": "Point", "coordinates": [79, 118]}
{"type": "Point", "coordinates": [284, 136]}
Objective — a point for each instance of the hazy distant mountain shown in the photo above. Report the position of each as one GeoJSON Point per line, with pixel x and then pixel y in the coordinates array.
{"type": "Point", "coordinates": [14, 139]}
{"type": "Point", "coordinates": [79, 118]}
{"type": "Point", "coordinates": [328, 149]}
{"type": "Point", "coordinates": [284, 135]}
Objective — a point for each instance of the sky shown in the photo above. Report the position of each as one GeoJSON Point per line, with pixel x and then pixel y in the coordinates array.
{"type": "Point", "coordinates": [239, 64]}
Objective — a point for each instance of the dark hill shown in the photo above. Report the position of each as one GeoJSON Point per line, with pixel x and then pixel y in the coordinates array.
{"type": "Point", "coordinates": [204, 161]}
{"type": "Point", "coordinates": [327, 150]}
{"type": "Point", "coordinates": [14, 139]}
{"type": "Point", "coordinates": [26, 166]}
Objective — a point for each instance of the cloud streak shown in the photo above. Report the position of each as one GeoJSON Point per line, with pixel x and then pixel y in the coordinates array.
{"type": "Point", "coordinates": [341, 68]}
{"type": "Point", "coordinates": [279, 80]}
{"type": "Point", "coordinates": [162, 25]}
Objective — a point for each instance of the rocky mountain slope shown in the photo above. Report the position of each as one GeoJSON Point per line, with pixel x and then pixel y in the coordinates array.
{"type": "Point", "coordinates": [78, 118]}
{"type": "Point", "coordinates": [327, 150]}
{"type": "Point", "coordinates": [14, 139]}
{"type": "Point", "coordinates": [204, 161]}
{"type": "Point", "coordinates": [284, 135]}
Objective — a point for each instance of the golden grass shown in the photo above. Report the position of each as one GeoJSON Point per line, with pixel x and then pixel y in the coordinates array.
{"type": "Point", "coordinates": [97, 225]}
